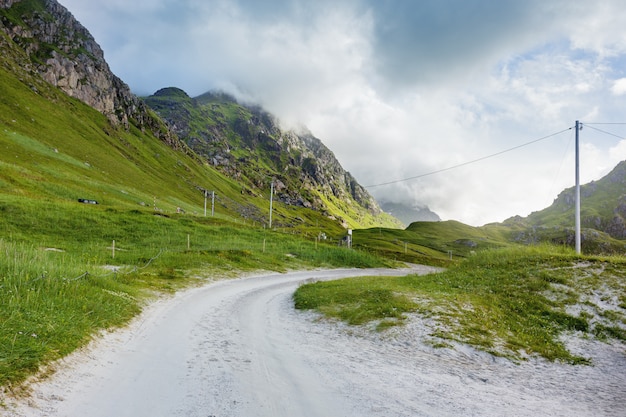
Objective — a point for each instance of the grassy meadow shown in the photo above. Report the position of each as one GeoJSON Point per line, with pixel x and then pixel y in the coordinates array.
{"type": "Point", "coordinates": [63, 279]}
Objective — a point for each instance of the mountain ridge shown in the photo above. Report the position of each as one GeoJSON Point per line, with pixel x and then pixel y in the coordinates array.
{"type": "Point", "coordinates": [603, 216]}
{"type": "Point", "coordinates": [247, 143]}
{"type": "Point", "coordinates": [43, 41]}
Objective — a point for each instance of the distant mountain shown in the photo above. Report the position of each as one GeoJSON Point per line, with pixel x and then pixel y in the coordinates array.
{"type": "Point", "coordinates": [246, 143]}
{"type": "Point", "coordinates": [408, 214]}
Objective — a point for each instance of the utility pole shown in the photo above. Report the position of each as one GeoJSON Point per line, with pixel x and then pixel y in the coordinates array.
{"type": "Point", "coordinates": [577, 204]}
{"type": "Point", "coordinates": [206, 196]}
{"type": "Point", "coordinates": [271, 200]}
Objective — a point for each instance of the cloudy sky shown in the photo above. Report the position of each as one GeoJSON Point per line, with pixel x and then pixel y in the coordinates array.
{"type": "Point", "coordinates": [399, 88]}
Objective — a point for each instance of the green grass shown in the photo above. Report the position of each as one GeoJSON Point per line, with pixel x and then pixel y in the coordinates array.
{"type": "Point", "coordinates": [56, 293]}
{"type": "Point", "coordinates": [52, 303]}
{"type": "Point", "coordinates": [55, 148]}
{"type": "Point", "coordinates": [511, 302]}
{"type": "Point", "coordinates": [430, 243]}
{"type": "Point", "coordinates": [370, 298]}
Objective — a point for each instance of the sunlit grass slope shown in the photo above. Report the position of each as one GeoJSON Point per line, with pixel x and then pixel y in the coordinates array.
{"type": "Point", "coordinates": [56, 148]}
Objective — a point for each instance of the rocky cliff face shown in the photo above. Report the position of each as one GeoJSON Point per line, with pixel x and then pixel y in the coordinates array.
{"type": "Point", "coordinates": [65, 54]}
{"type": "Point", "coordinates": [247, 143]}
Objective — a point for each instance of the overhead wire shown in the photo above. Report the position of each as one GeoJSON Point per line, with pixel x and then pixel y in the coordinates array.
{"type": "Point", "coordinates": [604, 131]}
{"type": "Point", "coordinates": [468, 162]}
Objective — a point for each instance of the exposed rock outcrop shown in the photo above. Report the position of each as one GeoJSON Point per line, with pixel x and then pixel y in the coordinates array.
{"type": "Point", "coordinates": [65, 54]}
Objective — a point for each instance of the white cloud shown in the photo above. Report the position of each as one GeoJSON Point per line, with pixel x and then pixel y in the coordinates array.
{"type": "Point", "coordinates": [617, 153]}
{"type": "Point", "coordinates": [619, 87]}
{"type": "Point", "coordinates": [599, 27]}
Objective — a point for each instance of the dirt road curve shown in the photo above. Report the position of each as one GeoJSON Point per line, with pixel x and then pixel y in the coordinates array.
{"type": "Point", "coordinates": [238, 348]}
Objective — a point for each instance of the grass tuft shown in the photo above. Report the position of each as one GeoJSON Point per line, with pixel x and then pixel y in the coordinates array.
{"type": "Point", "coordinates": [355, 304]}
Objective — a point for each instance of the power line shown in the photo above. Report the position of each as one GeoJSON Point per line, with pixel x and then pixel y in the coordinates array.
{"type": "Point", "coordinates": [468, 162]}
{"type": "Point", "coordinates": [609, 123]}
{"type": "Point", "coordinates": [603, 131]}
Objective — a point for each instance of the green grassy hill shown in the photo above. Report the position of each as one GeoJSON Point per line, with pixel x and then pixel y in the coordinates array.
{"type": "Point", "coordinates": [603, 205]}
{"type": "Point", "coordinates": [432, 243]}
{"type": "Point", "coordinates": [603, 214]}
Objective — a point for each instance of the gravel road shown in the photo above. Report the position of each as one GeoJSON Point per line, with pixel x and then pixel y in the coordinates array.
{"type": "Point", "coordinates": [238, 348]}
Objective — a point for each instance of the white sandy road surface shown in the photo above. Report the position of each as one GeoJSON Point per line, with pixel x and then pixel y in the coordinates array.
{"type": "Point", "coordinates": [238, 348]}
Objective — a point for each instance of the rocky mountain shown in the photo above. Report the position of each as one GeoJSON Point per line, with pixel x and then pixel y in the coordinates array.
{"type": "Point", "coordinates": [43, 42]}
{"type": "Point", "coordinates": [247, 143]}
{"type": "Point", "coordinates": [63, 52]}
